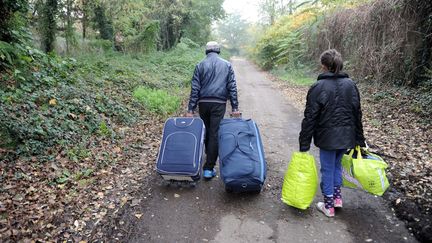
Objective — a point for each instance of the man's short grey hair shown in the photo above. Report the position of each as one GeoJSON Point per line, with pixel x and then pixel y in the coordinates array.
{"type": "Point", "coordinates": [212, 46]}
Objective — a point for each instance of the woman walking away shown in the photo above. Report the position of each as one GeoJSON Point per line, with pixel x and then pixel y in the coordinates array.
{"type": "Point", "coordinates": [333, 118]}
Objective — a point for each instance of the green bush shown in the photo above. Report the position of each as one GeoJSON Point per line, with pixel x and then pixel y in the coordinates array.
{"type": "Point", "coordinates": [101, 45]}
{"type": "Point", "coordinates": [158, 101]}
{"type": "Point", "coordinates": [284, 43]}
{"type": "Point", "coordinates": [188, 43]}
{"type": "Point", "coordinates": [298, 76]}
{"type": "Point", "coordinates": [144, 42]}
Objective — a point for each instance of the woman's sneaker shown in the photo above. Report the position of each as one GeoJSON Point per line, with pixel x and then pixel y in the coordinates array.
{"type": "Point", "coordinates": [329, 212]}
{"type": "Point", "coordinates": [338, 203]}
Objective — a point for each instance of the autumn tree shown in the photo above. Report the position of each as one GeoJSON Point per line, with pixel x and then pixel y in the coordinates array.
{"type": "Point", "coordinates": [273, 9]}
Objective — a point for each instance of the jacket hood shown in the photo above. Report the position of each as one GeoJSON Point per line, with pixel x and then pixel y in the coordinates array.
{"type": "Point", "coordinates": [330, 75]}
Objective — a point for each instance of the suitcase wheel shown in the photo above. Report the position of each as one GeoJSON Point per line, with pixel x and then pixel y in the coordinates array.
{"type": "Point", "coordinates": [165, 183]}
{"type": "Point", "coordinates": [256, 192]}
{"type": "Point", "coordinates": [193, 184]}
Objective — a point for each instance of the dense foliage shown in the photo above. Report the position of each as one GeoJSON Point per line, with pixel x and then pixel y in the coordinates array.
{"type": "Point", "coordinates": [13, 36]}
{"type": "Point", "coordinates": [51, 104]}
{"type": "Point", "coordinates": [67, 101]}
{"type": "Point", "coordinates": [367, 34]}
{"type": "Point", "coordinates": [102, 23]}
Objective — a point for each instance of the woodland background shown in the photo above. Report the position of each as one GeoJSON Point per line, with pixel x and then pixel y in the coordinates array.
{"type": "Point", "coordinates": [85, 87]}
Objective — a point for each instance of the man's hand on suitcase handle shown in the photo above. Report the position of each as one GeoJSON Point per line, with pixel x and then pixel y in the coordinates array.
{"type": "Point", "coordinates": [189, 114]}
{"type": "Point", "coordinates": [236, 114]}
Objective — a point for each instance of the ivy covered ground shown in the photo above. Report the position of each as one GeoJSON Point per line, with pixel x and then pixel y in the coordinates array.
{"type": "Point", "coordinates": [78, 129]}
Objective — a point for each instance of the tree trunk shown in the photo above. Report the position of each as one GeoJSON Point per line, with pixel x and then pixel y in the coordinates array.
{"type": "Point", "coordinates": [272, 12]}
{"type": "Point", "coordinates": [84, 27]}
{"type": "Point", "coordinates": [49, 25]}
{"type": "Point", "coordinates": [69, 25]}
{"type": "Point", "coordinates": [84, 19]}
{"type": "Point", "coordinates": [291, 7]}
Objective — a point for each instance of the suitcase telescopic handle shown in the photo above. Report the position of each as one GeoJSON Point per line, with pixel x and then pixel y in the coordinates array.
{"type": "Point", "coordinates": [240, 116]}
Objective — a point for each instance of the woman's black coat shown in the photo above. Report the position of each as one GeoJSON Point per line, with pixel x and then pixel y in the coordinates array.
{"type": "Point", "coordinates": [333, 114]}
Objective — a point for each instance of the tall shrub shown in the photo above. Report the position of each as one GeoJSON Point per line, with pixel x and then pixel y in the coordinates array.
{"type": "Point", "coordinates": [284, 43]}
{"type": "Point", "coordinates": [386, 41]}
{"type": "Point", "coordinates": [8, 21]}
{"type": "Point", "coordinates": [12, 31]}
{"type": "Point", "coordinates": [146, 41]}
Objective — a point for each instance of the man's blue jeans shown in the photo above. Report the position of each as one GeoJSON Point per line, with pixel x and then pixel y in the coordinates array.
{"type": "Point", "coordinates": [331, 170]}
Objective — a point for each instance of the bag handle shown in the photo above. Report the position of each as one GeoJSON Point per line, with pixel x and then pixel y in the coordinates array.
{"type": "Point", "coordinates": [351, 152]}
{"type": "Point", "coordinates": [359, 154]}
{"type": "Point", "coordinates": [183, 122]}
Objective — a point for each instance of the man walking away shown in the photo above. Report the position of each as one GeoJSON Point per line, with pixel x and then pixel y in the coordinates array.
{"type": "Point", "coordinates": [213, 82]}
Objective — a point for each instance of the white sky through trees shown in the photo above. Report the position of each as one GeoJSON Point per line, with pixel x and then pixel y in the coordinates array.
{"type": "Point", "coordinates": [248, 9]}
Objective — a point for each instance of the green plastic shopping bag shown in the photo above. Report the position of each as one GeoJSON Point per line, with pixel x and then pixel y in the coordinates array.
{"type": "Point", "coordinates": [365, 171]}
{"type": "Point", "coordinates": [300, 181]}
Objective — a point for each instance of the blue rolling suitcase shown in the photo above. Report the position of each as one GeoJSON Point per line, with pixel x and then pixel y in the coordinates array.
{"type": "Point", "coordinates": [241, 155]}
{"type": "Point", "coordinates": [181, 151]}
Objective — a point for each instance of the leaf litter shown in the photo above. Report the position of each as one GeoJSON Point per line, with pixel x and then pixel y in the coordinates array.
{"type": "Point", "coordinates": [70, 200]}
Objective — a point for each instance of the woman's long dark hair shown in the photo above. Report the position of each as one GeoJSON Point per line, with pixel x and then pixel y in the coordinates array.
{"type": "Point", "coordinates": [332, 59]}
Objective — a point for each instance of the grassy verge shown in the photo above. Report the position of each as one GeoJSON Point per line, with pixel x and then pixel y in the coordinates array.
{"type": "Point", "coordinates": [300, 76]}
{"type": "Point", "coordinates": [156, 100]}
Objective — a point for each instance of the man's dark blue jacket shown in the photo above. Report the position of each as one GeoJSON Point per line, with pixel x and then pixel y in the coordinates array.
{"type": "Point", "coordinates": [213, 81]}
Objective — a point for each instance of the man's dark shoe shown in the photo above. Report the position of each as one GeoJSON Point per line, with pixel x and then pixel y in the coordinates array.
{"type": "Point", "coordinates": [208, 174]}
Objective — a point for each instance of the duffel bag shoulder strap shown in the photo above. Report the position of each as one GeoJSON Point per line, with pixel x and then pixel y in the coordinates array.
{"type": "Point", "coordinates": [233, 148]}
{"type": "Point", "coordinates": [237, 145]}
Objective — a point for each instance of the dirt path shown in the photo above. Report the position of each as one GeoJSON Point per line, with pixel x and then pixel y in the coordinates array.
{"type": "Point", "coordinates": [208, 214]}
